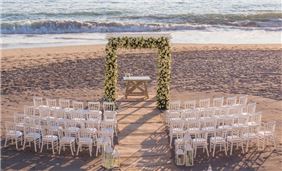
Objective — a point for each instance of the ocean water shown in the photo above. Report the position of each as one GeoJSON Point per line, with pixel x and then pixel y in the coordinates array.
{"type": "Point", "coordinates": [30, 23]}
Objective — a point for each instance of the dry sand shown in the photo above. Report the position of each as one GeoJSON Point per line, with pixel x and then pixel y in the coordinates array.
{"type": "Point", "coordinates": [77, 72]}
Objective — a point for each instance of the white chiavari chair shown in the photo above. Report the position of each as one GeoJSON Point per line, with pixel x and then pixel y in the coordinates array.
{"type": "Point", "coordinates": [49, 136]}
{"type": "Point", "coordinates": [200, 141]}
{"type": "Point", "coordinates": [72, 127]}
{"type": "Point", "coordinates": [250, 136]}
{"type": "Point", "coordinates": [32, 134]}
{"type": "Point", "coordinates": [11, 133]}
{"type": "Point", "coordinates": [176, 130]}
{"type": "Point", "coordinates": [85, 140]}
{"type": "Point", "coordinates": [218, 139]}
{"type": "Point", "coordinates": [267, 133]}
{"type": "Point", "coordinates": [235, 139]}
{"type": "Point", "coordinates": [109, 126]}
{"type": "Point", "coordinates": [67, 139]}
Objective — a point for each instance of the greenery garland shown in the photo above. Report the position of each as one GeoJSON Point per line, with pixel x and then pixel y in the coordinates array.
{"type": "Point", "coordinates": [164, 64]}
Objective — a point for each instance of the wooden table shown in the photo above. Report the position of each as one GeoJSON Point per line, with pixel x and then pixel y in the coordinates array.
{"type": "Point", "coordinates": [136, 83]}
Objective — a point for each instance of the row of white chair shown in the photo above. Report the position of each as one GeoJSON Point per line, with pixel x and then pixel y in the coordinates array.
{"type": "Point", "coordinates": [242, 137]}
{"type": "Point", "coordinates": [211, 112]}
{"type": "Point", "coordinates": [67, 103]}
{"type": "Point", "coordinates": [86, 133]}
{"type": "Point", "coordinates": [207, 102]}
{"type": "Point", "coordinates": [79, 114]}
{"type": "Point", "coordinates": [177, 125]}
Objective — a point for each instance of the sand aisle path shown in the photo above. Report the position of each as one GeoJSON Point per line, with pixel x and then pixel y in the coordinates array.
{"type": "Point", "coordinates": [142, 140]}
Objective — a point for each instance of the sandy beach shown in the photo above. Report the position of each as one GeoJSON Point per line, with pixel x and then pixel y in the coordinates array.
{"type": "Point", "coordinates": [77, 72]}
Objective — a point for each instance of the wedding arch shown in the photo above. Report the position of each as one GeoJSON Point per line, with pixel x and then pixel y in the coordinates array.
{"type": "Point", "coordinates": [134, 41]}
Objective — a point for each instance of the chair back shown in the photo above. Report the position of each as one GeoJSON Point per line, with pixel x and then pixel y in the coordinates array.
{"type": "Point", "coordinates": [19, 118]}
{"type": "Point", "coordinates": [38, 101]}
{"type": "Point", "coordinates": [64, 103]}
{"type": "Point", "coordinates": [84, 133]}
{"type": "Point", "coordinates": [189, 104]}
{"type": "Point", "coordinates": [109, 106]}
{"type": "Point", "coordinates": [243, 100]}
{"type": "Point", "coordinates": [77, 105]}
{"type": "Point", "coordinates": [51, 102]}
{"type": "Point", "coordinates": [94, 106]}
{"type": "Point", "coordinates": [218, 102]}
{"type": "Point", "coordinates": [251, 108]}
{"type": "Point", "coordinates": [44, 111]}
{"type": "Point", "coordinates": [174, 105]}
{"type": "Point", "coordinates": [204, 103]}
{"type": "Point", "coordinates": [230, 101]}
{"type": "Point", "coordinates": [29, 110]}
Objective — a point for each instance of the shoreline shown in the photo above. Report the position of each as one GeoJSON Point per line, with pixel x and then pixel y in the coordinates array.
{"type": "Point", "coordinates": [100, 48]}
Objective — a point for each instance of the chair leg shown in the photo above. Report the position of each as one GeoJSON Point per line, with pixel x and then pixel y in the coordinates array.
{"type": "Point", "coordinates": [274, 142]}
{"type": "Point", "coordinates": [41, 147]}
{"type": "Point", "coordinates": [97, 149]}
{"type": "Point", "coordinates": [242, 146]}
{"type": "Point", "coordinates": [207, 150]}
{"type": "Point", "coordinates": [78, 148]}
{"type": "Point", "coordinates": [17, 143]}
{"type": "Point", "coordinates": [90, 150]}
{"type": "Point", "coordinates": [213, 150]}
{"type": "Point", "coordinates": [71, 146]}
{"type": "Point", "coordinates": [6, 140]}
{"type": "Point", "coordinates": [195, 152]}
{"type": "Point", "coordinates": [60, 146]}
{"type": "Point", "coordinates": [225, 149]}
{"type": "Point", "coordinates": [53, 147]}
{"type": "Point", "coordinates": [231, 148]}
{"type": "Point", "coordinates": [24, 144]}
{"type": "Point", "coordinates": [35, 144]}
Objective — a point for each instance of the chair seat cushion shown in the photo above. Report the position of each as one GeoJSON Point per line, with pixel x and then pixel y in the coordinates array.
{"type": "Point", "coordinates": [67, 139]}
{"type": "Point", "coordinates": [85, 140]}
{"type": "Point", "coordinates": [199, 140]}
{"type": "Point", "coordinates": [217, 140]}
{"type": "Point", "coordinates": [50, 138]}
{"type": "Point", "coordinates": [32, 135]}
{"type": "Point", "coordinates": [250, 135]}
{"type": "Point", "coordinates": [73, 129]}
{"type": "Point", "coordinates": [234, 138]}
{"type": "Point", "coordinates": [13, 133]}
{"type": "Point", "coordinates": [265, 133]}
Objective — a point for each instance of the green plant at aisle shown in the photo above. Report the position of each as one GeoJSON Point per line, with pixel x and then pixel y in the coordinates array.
{"type": "Point", "coordinates": [164, 64]}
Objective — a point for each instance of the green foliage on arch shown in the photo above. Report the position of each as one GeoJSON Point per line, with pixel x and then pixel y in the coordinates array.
{"type": "Point", "coordinates": [163, 64]}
